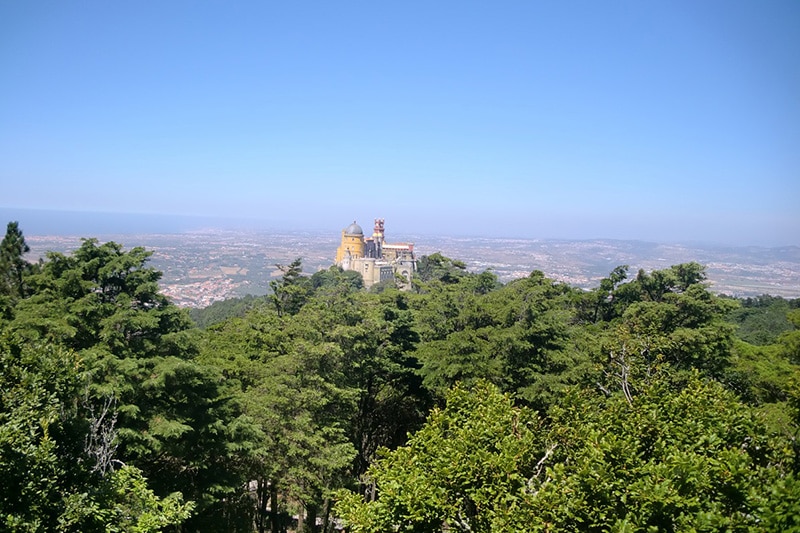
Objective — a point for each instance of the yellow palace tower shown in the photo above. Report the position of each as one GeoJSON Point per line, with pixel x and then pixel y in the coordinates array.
{"type": "Point", "coordinates": [374, 259]}
{"type": "Point", "coordinates": [352, 243]}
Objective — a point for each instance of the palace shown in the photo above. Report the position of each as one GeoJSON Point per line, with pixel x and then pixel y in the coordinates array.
{"type": "Point", "coordinates": [372, 257]}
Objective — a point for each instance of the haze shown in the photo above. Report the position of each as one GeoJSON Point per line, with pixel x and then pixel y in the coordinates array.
{"type": "Point", "coordinates": [663, 121]}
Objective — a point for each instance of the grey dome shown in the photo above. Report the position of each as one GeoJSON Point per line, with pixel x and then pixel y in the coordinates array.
{"type": "Point", "coordinates": [354, 229]}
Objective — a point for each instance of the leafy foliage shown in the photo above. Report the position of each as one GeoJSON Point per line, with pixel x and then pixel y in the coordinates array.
{"type": "Point", "coordinates": [694, 459]}
{"type": "Point", "coordinates": [691, 459]}
{"type": "Point", "coordinates": [629, 407]}
{"type": "Point", "coordinates": [51, 480]}
{"type": "Point", "coordinates": [790, 340]}
{"type": "Point", "coordinates": [12, 268]}
{"type": "Point", "coordinates": [292, 290]}
{"type": "Point", "coordinates": [467, 469]}
{"type": "Point", "coordinates": [220, 311]}
{"type": "Point", "coordinates": [519, 337]}
{"type": "Point", "coordinates": [763, 319]}
{"type": "Point", "coordinates": [174, 421]}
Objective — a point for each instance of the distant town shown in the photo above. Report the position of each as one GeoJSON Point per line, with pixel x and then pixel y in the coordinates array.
{"type": "Point", "coordinates": [203, 267]}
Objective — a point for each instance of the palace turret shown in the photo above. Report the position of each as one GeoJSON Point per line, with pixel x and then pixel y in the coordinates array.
{"type": "Point", "coordinates": [373, 258]}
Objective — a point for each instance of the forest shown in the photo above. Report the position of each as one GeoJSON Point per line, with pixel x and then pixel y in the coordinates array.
{"type": "Point", "coordinates": [648, 403]}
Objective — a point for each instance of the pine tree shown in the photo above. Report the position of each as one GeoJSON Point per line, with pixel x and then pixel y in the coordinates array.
{"type": "Point", "coordinates": [12, 265]}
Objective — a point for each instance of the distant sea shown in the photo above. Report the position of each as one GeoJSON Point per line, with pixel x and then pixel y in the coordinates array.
{"type": "Point", "coordinates": [91, 224]}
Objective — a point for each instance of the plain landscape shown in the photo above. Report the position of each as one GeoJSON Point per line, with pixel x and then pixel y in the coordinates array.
{"type": "Point", "coordinates": [203, 267]}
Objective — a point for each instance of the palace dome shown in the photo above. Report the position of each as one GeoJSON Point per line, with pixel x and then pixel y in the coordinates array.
{"type": "Point", "coordinates": [354, 229]}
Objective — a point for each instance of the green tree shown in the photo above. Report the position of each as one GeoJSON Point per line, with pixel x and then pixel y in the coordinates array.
{"type": "Point", "coordinates": [790, 340]}
{"type": "Point", "coordinates": [12, 268]}
{"type": "Point", "coordinates": [222, 310]}
{"type": "Point", "coordinates": [54, 476]}
{"type": "Point", "coordinates": [436, 267]}
{"type": "Point", "coordinates": [761, 320]}
{"type": "Point", "coordinates": [336, 279]}
{"type": "Point", "coordinates": [467, 469]}
{"type": "Point", "coordinates": [364, 343]}
{"type": "Point", "coordinates": [760, 375]}
{"type": "Point", "coordinates": [245, 350]}
{"type": "Point", "coordinates": [308, 450]}
{"type": "Point", "coordinates": [663, 460]}
{"type": "Point", "coordinates": [180, 426]}
{"type": "Point", "coordinates": [176, 421]}
{"type": "Point", "coordinates": [668, 317]}
{"type": "Point", "coordinates": [289, 386]}
{"type": "Point", "coordinates": [99, 296]}
{"type": "Point", "coordinates": [378, 365]}
{"type": "Point", "coordinates": [694, 459]}
{"type": "Point", "coordinates": [516, 336]}
{"type": "Point", "coordinates": [326, 386]}
{"type": "Point", "coordinates": [601, 303]}
{"type": "Point", "coordinates": [290, 293]}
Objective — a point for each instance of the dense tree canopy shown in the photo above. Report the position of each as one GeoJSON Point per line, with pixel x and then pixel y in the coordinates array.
{"type": "Point", "coordinates": [686, 460]}
{"type": "Point", "coordinates": [463, 404]}
{"type": "Point", "coordinates": [56, 451]}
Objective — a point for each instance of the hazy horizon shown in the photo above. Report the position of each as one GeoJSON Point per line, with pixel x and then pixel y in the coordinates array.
{"type": "Point", "coordinates": [85, 224]}
{"type": "Point", "coordinates": [664, 122]}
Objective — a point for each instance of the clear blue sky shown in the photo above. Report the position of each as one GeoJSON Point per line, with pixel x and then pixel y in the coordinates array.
{"type": "Point", "coordinates": [658, 120]}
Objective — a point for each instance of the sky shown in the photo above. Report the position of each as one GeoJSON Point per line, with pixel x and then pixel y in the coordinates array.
{"type": "Point", "coordinates": [666, 121]}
